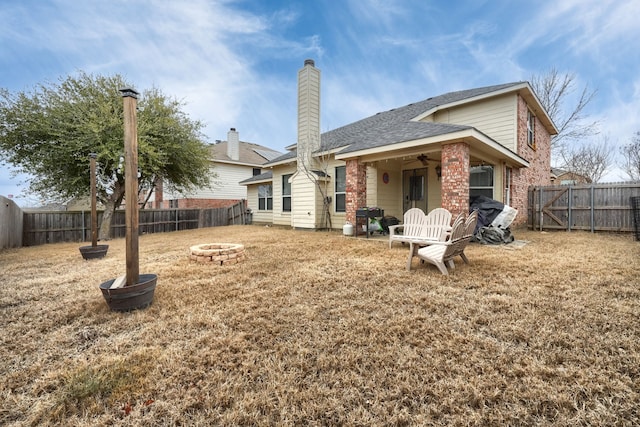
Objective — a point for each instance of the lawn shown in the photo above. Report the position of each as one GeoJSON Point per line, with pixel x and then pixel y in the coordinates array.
{"type": "Point", "coordinates": [316, 328]}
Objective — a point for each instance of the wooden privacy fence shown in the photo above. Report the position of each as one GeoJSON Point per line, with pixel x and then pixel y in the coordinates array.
{"type": "Point", "coordinates": [75, 226]}
{"type": "Point", "coordinates": [591, 207]}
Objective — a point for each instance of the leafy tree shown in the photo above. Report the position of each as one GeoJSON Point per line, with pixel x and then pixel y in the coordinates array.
{"type": "Point", "coordinates": [49, 132]}
{"type": "Point", "coordinates": [631, 154]}
{"type": "Point", "coordinates": [554, 90]}
{"type": "Point", "coordinates": [590, 159]}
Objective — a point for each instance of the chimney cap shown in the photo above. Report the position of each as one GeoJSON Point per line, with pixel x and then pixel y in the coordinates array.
{"type": "Point", "coordinates": [309, 62]}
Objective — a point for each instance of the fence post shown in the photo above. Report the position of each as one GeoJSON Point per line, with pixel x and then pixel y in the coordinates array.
{"type": "Point", "coordinates": [593, 216]}
{"type": "Point", "coordinates": [569, 216]}
{"type": "Point", "coordinates": [540, 210]}
{"type": "Point", "coordinates": [84, 231]}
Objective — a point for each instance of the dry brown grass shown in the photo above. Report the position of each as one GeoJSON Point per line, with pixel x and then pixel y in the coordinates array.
{"type": "Point", "coordinates": [319, 329]}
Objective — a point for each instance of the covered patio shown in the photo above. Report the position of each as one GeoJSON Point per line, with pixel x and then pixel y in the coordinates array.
{"type": "Point", "coordinates": [438, 171]}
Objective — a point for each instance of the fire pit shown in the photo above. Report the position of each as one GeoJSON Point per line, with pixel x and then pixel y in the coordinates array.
{"type": "Point", "coordinates": [218, 253]}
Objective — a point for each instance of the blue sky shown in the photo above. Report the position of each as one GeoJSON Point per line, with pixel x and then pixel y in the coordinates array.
{"type": "Point", "coordinates": [234, 63]}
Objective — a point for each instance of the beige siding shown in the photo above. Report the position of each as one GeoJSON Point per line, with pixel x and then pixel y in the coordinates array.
{"type": "Point", "coordinates": [388, 195]}
{"type": "Point", "coordinates": [252, 202]}
{"type": "Point", "coordinates": [498, 182]}
{"type": "Point", "coordinates": [434, 189]}
{"type": "Point", "coordinates": [308, 104]}
{"type": "Point", "coordinates": [304, 201]}
{"type": "Point", "coordinates": [280, 217]}
{"type": "Point", "coordinates": [372, 186]}
{"type": "Point", "coordinates": [496, 117]}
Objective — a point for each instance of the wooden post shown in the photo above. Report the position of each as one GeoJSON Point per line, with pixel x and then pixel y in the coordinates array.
{"type": "Point", "coordinates": [94, 211]}
{"type": "Point", "coordinates": [130, 97]}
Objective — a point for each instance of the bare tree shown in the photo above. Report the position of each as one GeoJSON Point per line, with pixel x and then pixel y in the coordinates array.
{"type": "Point", "coordinates": [317, 170]}
{"type": "Point", "coordinates": [554, 91]}
{"type": "Point", "coordinates": [631, 155]}
{"type": "Point", "coordinates": [589, 159]}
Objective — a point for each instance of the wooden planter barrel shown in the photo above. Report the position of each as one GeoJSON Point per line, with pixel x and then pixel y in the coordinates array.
{"type": "Point", "coordinates": [94, 252]}
{"type": "Point", "coordinates": [132, 297]}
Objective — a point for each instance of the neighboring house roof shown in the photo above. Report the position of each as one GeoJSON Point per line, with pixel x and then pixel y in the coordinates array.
{"type": "Point", "coordinates": [558, 173]}
{"type": "Point", "coordinates": [263, 177]}
{"type": "Point", "coordinates": [402, 124]}
{"type": "Point", "coordinates": [249, 153]}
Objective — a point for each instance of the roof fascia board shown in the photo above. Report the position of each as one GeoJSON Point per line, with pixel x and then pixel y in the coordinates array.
{"type": "Point", "coordinates": [465, 135]}
{"type": "Point", "coordinates": [385, 149]}
{"type": "Point", "coordinates": [258, 181]}
{"type": "Point", "coordinates": [288, 161]}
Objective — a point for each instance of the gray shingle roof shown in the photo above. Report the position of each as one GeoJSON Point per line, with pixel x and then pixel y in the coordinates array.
{"type": "Point", "coordinates": [249, 153]}
{"type": "Point", "coordinates": [395, 125]}
{"type": "Point", "coordinates": [262, 177]}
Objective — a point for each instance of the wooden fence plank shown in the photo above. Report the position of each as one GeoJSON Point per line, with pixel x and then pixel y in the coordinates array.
{"type": "Point", "coordinates": [593, 207]}
{"type": "Point", "coordinates": [41, 227]}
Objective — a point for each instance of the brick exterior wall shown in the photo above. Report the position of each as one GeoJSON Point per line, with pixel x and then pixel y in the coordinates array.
{"type": "Point", "coordinates": [356, 196]}
{"type": "Point", "coordinates": [539, 157]}
{"type": "Point", "coordinates": [198, 203]}
{"type": "Point", "coordinates": [455, 178]}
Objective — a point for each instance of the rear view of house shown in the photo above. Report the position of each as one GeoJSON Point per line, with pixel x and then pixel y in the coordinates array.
{"type": "Point", "coordinates": [439, 152]}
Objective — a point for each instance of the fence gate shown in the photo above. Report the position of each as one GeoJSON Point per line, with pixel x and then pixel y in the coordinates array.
{"type": "Point", "coordinates": [591, 207]}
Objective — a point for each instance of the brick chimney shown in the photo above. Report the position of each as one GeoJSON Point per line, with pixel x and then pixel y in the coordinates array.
{"type": "Point", "coordinates": [233, 144]}
{"type": "Point", "coordinates": [308, 113]}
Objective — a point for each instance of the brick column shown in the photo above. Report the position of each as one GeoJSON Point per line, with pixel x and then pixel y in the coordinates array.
{"type": "Point", "coordinates": [356, 196]}
{"type": "Point", "coordinates": [455, 177]}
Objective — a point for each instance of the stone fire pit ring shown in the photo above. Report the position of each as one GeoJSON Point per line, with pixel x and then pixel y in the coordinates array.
{"type": "Point", "coordinates": [218, 253]}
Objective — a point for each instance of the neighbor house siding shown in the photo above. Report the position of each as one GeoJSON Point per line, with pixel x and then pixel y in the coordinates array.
{"type": "Point", "coordinates": [494, 117]}
{"type": "Point", "coordinates": [224, 184]}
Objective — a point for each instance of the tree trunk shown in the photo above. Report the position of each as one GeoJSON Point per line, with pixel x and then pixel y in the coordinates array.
{"type": "Point", "coordinates": [109, 208]}
{"type": "Point", "coordinates": [107, 216]}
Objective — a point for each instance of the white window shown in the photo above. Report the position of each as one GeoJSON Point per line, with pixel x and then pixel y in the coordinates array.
{"type": "Point", "coordinates": [265, 197]}
{"type": "Point", "coordinates": [531, 126]}
{"type": "Point", "coordinates": [286, 193]}
{"type": "Point", "coordinates": [481, 181]}
{"type": "Point", "coordinates": [341, 189]}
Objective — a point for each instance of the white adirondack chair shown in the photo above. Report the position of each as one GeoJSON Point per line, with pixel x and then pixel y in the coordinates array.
{"type": "Point", "coordinates": [441, 253]}
{"type": "Point", "coordinates": [435, 228]}
{"type": "Point", "coordinates": [411, 227]}
{"type": "Point", "coordinates": [469, 228]}
{"type": "Point", "coordinates": [437, 225]}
